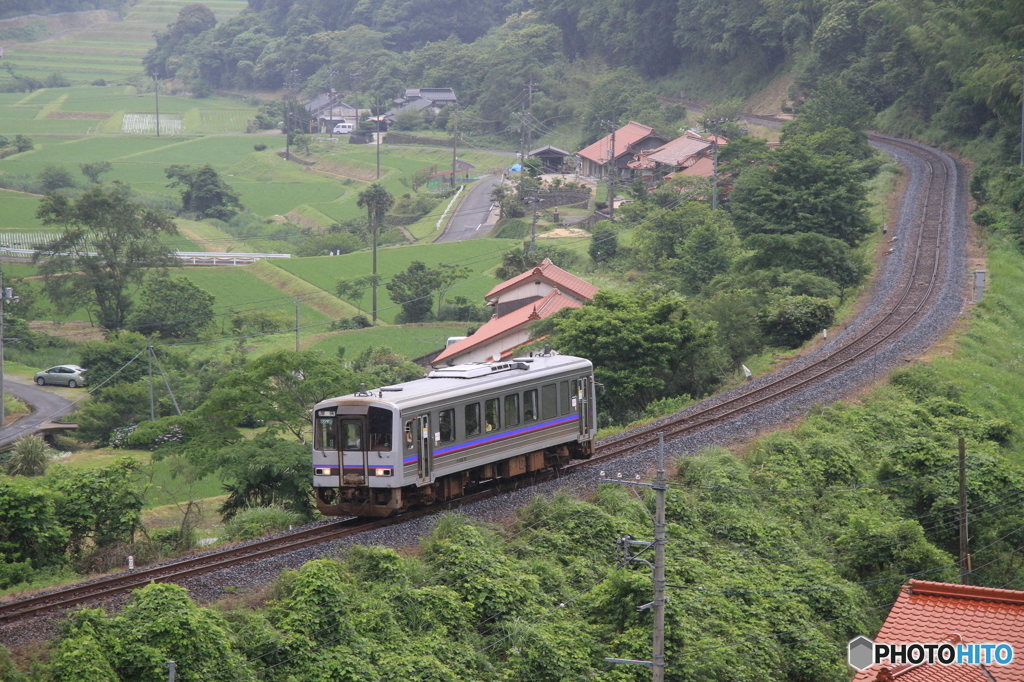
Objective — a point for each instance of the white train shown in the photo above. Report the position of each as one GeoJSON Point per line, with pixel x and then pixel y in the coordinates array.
{"type": "Point", "coordinates": [382, 451]}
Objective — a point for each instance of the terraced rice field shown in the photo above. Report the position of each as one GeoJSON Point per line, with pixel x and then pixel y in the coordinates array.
{"type": "Point", "coordinates": [111, 50]}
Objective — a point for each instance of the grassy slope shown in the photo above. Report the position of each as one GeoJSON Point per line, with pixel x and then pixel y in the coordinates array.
{"type": "Point", "coordinates": [480, 255]}
{"type": "Point", "coordinates": [110, 50]}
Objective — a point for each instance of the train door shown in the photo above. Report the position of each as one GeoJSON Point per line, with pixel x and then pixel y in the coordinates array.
{"type": "Point", "coordinates": [585, 399]}
{"type": "Point", "coordinates": [424, 457]}
{"type": "Point", "coordinates": [354, 446]}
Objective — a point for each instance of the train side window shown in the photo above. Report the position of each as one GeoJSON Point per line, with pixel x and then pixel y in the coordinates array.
{"type": "Point", "coordinates": [409, 438]}
{"type": "Point", "coordinates": [530, 406]}
{"type": "Point", "coordinates": [380, 428]}
{"type": "Point", "coordinates": [446, 425]}
{"type": "Point", "coordinates": [563, 397]}
{"type": "Point", "coordinates": [473, 420]}
{"type": "Point", "coordinates": [573, 392]}
{"type": "Point", "coordinates": [548, 401]}
{"type": "Point", "coordinates": [492, 414]}
{"type": "Point", "coordinates": [326, 433]}
{"type": "Point", "coordinates": [512, 410]}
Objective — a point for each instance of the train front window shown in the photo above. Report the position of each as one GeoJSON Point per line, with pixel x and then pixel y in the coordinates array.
{"type": "Point", "coordinates": [530, 405]}
{"type": "Point", "coordinates": [512, 409]}
{"type": "Point", "coordinates": [492, 414]}
{"type": "Point", "coordinates": [446, 425]}
{"type": "Point", "coordinates": [380, 428]}
{"type": "Point", "coordinates": [548, 401]}
{"type": "Point", "coordinates": [351, 435]}
{"type": "Point", "coordinates": [473, 420]}
{"type": "Point", "coordinates": [326, 433]}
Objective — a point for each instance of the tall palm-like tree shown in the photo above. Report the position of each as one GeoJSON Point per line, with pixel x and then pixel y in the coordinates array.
{"type": "Point", "coordinates": [377, 201]}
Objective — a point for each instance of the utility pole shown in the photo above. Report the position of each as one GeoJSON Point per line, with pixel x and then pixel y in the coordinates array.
{"type": "Point", "coordinates": [171, 670]}
{"type": "Point", "coordinates": [534, 199]}
{"type": "Point", "coordinates": [660, 485]}
{"type": "Point", "coordinates": [1021, 57]}
{"type": "Point", "coordinates": [297, 302]}
{"type": "Point", "coordinates": [149, 362]}
{"type": "Point", "coordinates": [455, 143]}
{"type": "Point", "coordinates": [330, 126]}
{"type": "Point", "coordinates": [965, 557]}
{"type": "Point", "coordinates": [6, 296]}
{"type": "Point", "coordinates": [529, 113]}
{"type": "Point", "coordinates": [156, 93]}
{"type": "Point", "coordinates": [379, 114]}
{"type": "Point", "coordinates": [714, 124]}
{"type": "Point", "coordinates": [611, 173]}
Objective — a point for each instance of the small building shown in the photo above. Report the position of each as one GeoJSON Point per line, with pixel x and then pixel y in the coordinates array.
{"type": "Point", "coordinates": [533, 295]}
{"type": "Point", "coordinates": [534, 285]}
{"type": "Point", "coordinates": [552, 158]}
{"type": "Point", "coordinates": [959, 615]}
{"type": "Point", "coordinates": [630, 140]}
{"type": "Point", "coordinates": [500, 337]}
{"type": "Point", "coordinates": [326, 111]}
{"type": "Point", "coordinates": [439, 97]}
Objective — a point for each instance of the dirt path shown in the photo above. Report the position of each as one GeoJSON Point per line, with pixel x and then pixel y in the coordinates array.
{"type": "Point", "coordinates": [292, 285]}
{"type": "Point", "coordinates": [204, 244]}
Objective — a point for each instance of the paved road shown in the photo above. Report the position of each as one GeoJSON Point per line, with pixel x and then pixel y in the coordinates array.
{"type": "Point", "coordinates": [466, 222]}
{"type": "Point", "coordinates": [48, 407]}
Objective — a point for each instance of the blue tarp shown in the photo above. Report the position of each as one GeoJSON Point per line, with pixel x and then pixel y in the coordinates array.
{"type": "Point", "coordinates": [516, 167]}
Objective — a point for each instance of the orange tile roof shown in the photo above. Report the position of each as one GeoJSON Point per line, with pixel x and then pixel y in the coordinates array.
{"type": "Point", "coordinates": [554, 275]}
{"type": "Point", "coordinates": [679, 150]}
{"type": "Point", "coordinates": [627, 135]}
{"type": "Point", "coordinates": [943, 612]}
{"type": "Point", "coordinates": [704, 167]}
{"type": "Point", "coordinates": [499, 326]}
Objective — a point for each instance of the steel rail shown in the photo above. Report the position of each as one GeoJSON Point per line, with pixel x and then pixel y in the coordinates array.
{"type": "Point", "coordinates": [889, 324]}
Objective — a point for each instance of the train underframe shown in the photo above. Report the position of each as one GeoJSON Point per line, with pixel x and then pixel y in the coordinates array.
{"type": "Point", "coordinates": [362, 500]}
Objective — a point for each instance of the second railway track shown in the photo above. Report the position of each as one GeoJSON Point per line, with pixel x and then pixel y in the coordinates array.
{"type": "Point", "coordinates": [907, 297]}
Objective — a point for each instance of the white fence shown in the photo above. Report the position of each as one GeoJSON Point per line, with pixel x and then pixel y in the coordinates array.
{"type": "Point", "coordinates": [186, 257]}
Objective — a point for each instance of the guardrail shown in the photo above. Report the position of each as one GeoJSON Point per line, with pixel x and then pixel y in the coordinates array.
{"type": "Point", "coordinates": [186, 257]}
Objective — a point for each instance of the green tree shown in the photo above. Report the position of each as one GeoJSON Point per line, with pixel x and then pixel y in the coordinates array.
{"type": "Point", "coordinates": [377, 201]}
{"type": "Point", "coordinates": [802, 192]}
{"type": "Point", "coordinates": [814, 253]}
{"type": "Point", "coordinates": [173, 308]}
{"type": "Point", "coordinates": [102, 505]}
{"type": "Point", "coordinates": [264, 471]}
{"type": "Point", "coordinates": [354, 289]}
{"type": "Point", "coordinates": [795, 319]}
{"type": "Point", "coordinates": [94, 169]}
{"type": "Point", "coordinates": [203, 191]}
{"type": "Point", "coordinates": [279, 388]}
{"type": "Point", "coordinates": [24, 143]}
{"type": "Point", "coordinates": [107, 361]}
{"type": "Point", "coordinates": [107, 244]}
{"type": "Point", "coordinates": [413, 289]}
{"type": "Point", "coordinates": [29, 527]}
{"type": "Point", "coordinates": [54, 177]}
{"type": "Point", "coordinates": [604, 242]}
{"type": "Point", "coordinates": [642, 348]}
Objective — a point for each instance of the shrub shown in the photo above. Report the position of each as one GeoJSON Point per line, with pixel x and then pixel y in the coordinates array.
{"type": "Point", "coordinates": [795, 319]}
{"type": "Point", "coordinates": [56, 80]}
{"type": "Point", "coordinates": [55, 177]}
{"type": "Point", "coordinates": [255, 522]}
{"type": "Point", "coordinates": [259, 147]}
{"type": "Point", "coordinates": [99, 81]}
{"type": "Point", "coordinates": [29, 458]}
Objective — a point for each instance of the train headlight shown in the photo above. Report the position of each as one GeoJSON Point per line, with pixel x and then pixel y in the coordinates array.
{"type": "Point", "coordinates": [382, 472]}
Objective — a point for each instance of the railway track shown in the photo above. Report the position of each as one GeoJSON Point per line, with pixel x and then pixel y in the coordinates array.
{"type": "Point", "coordinates": [913, 296]}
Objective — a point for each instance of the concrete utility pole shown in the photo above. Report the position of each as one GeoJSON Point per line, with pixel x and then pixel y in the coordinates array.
{"type": "Point", "coordinates": [714, 124]}
{"type": "Point", "coordinates": [297, 323]}
{"type": "Point", "coordinates": [1021, 57]}
{"type": "Point", "coordinates": [965, 557]}
{"type": "Point", "coordinates": [533, 226]}
{"type": "Point", "coordinates": [156, 94]}
{"type": "Point", "coordinates": [330, 125]}
{"type": "Point", "coordinates": [610, 153]}
{"type": "Point", "coordinates": [660, 485]}
{"type": "Point", "coordinates": [6, 296]}
{"type": "Point", "coordinates": [149, 362]}
{"type": "Point", "coordinates": [455, 143]}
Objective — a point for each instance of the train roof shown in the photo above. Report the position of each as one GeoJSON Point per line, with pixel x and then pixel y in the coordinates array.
{"type": "Point", "coordinates": [463, 379]}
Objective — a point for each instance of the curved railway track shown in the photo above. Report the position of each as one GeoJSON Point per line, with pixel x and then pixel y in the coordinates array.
{"type": "Point", "coordinates": [898, 310]}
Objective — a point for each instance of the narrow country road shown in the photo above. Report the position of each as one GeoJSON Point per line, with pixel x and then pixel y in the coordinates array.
{"type": "Point", "coordinates": [467, 221]}
{"type": "Point", "coordinates": [47, 406]}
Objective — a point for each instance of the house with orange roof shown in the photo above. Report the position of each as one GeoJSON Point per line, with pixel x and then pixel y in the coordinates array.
{"type": "Point", "coordinates": [534, 285]}
{"type": "Point", "coordinates": [944, 613]}
{"type": "Point", "coordinates": [629, 140]}
{"type": "Point", "coordinates": [533, 295]}
{"type": "Point", "coordinates": [501, 336]}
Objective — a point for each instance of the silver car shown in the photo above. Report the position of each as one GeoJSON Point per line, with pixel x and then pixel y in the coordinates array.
{"type": "Point", "coordinates": [62, 375]}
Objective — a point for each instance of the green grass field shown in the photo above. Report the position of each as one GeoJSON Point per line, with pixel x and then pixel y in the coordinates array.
{"type": "Point", "coordinates": [479, 255]}
{"type": "Point", "coordinates": [411, 340]}
{"type": "Point", "coordinates": [111, 50]}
